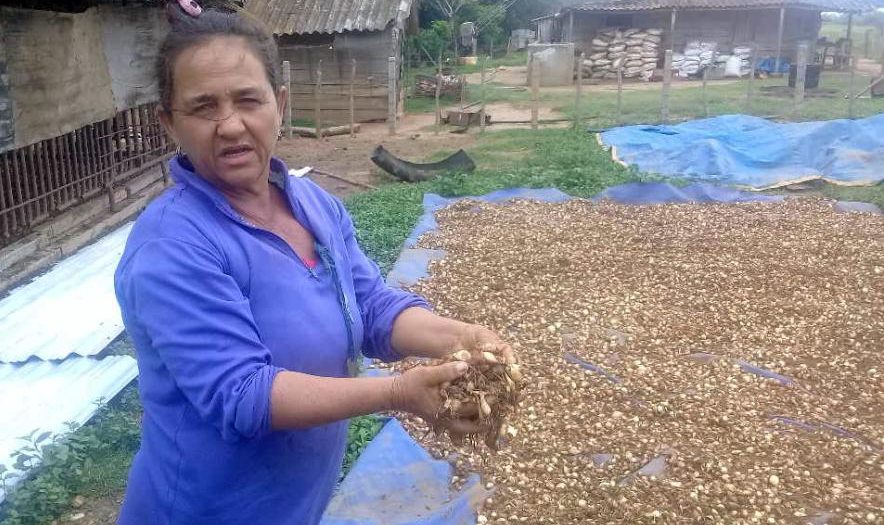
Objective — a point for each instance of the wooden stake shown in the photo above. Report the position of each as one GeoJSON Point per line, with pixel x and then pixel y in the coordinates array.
{"type": "Point", "coordinates": [317, 115]}
{"type": "Point", "coordinates": [392, 99]}
{"type": "Point", "coordinates": [287, 80]}
{"type": "Point", "coordinates": [438, 93]}
{"type": "Point", "coordinates": [352, 99]}
{"type": "Point", "coordinates": [705, 95]}
{"type": "Point", "coordinates": [780, 41]}
{"type": "Point", "coordinates": [619, 93]}
{"type": "Point", "coordinates": [850, 88]}
{"type": "Point", "coordinates": [535, 92]}
{"type": "Point", "coordinates": [752, 59]}
{"type": "Point", "coordinates": [800, 76]}
{"type": "Point", "coordinates": [578, 100]}
{"type": "Point", "coordinates": [482, 110]}
{"type": "Point", "coordinates": [667, 81]}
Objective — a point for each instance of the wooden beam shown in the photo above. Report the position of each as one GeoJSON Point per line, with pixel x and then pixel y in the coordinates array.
{"type": "Point", "coordinates": [571, 27]}
{"type": "Point", "coordinates": [667, 81]}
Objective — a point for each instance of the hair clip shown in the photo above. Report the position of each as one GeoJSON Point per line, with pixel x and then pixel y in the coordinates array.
{"type": "Point", "coordinates": [191, 7]}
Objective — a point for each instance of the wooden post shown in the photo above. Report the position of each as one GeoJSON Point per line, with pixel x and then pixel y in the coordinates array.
{"type": "Point", "coordinates": [491, 49]}
{"type": "Point", "coordinates": [851, 98]}
{"type": "Point", "coordinates": [780, 41]}
{"type": "Point", "coordinates": [800, 75]}
{"type": "Point", "coordinates": [352, 99]}
{"type": "Point", "coordinates": [752, 59]}
{"type": "Point", "coordinates": [317, 105]}
{"type": "Point", "coordinates": [578, 116]}
{"type": "Point", "coordinates": [619, 92]}
{"type": "Point", "coordinates": [849, 39]}
{"type": "Point", "coordinates": [392, 98]}
{"type": "Point", "coordinates": [482, 109]}
{"type": "Point", "coordinates": [287, 80]}
{"type": "Point", "coordinates": [667, 81]}
{"type": "Point", "coordinates": [866, 46]}
{"type": "Point", "coordinates": [571, 27]}
{"type": "Point", "coordinates": [535, 92]}
{"type": "Point", "coordinates": [438, 93]}
{"type": "Point", "coordinates": [463, 92]}
{"type": "Point", "coordinates": [705, 94]}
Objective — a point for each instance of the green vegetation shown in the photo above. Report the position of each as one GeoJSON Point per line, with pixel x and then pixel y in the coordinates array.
{"type": "Point", "coordinates": [91, 461]}
{"type": "Point", "coordinates": [362, 430]}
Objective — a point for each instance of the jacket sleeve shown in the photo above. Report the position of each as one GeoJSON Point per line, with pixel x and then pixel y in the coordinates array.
{"type": "Point", "coordinates": [379, 303]}
{"type": "Point", "coordinates": [200, 324]}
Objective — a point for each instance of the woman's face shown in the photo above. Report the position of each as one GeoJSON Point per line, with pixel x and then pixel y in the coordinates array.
{"type": "Point", "coordinates": [225, 114]}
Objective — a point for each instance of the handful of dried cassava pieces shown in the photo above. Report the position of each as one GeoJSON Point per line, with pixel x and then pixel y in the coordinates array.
{"type": "Point", "coordinates": [488, 391]}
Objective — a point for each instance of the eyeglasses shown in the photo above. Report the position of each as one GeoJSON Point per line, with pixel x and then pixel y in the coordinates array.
{"type": "Point", "coordinates": [215, 112]}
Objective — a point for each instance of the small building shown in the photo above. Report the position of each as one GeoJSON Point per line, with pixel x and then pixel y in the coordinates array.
{"type": "Point", "coordinates": [331, 37]}
{"type": "Point", "coordinates": [774, 28]}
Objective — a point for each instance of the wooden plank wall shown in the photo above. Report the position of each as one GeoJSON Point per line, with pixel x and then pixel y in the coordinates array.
{"type": "Point", "coordinates": [371, 50]}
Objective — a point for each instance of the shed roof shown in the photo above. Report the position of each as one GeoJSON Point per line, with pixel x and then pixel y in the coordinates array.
{"type": "Point", "coordinates": [647, 5]}
{"type": "Point", "coordinates": [293, 17]}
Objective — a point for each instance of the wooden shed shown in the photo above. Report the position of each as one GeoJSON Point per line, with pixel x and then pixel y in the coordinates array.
{"type": "Point", "coordinates": [773, 27]}
{"type": "Point", "coordinates": [331, 37]}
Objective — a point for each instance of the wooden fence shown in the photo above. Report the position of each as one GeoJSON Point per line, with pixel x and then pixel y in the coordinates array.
{"type": "Point", "coordinates": [45, 178]}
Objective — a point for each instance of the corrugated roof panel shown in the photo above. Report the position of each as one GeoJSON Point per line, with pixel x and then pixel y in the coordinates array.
{"type": "Point", "coordinates": [43, 397]}
{"type": "Point", "coordinates": [293, 17]}
{"type": "Point", "coordinates": [643, 5]}
{"type": "Point", "coordinates": [71, 309]}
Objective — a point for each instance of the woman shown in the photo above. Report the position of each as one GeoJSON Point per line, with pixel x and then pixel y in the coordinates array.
{"type": "Point", "coordinates": [249, 300]}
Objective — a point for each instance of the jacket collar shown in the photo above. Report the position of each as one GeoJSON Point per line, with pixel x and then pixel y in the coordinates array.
{"type": "Point", "coordinates": [184, 173]}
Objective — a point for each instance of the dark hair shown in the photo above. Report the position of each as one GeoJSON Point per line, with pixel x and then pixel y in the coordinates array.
{"type": "Point", "coordinates": [188, 31]}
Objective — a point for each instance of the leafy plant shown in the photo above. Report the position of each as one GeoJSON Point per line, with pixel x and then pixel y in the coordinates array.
{"type": "Point", "coordinates": [63, 462]}
{"type": "Point", "coordinates": [360, 433]}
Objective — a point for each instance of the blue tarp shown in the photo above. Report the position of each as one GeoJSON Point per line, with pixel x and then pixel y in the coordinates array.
{"type": "Point", "coordinates": [769, 65]}
{"type": "Point", "coordinates": [756, 153]}
{"type": "Point", "coordinates": [395, 481]}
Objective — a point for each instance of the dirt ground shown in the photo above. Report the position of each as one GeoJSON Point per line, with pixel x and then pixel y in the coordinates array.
{"type": "Point", "coordinates": [349, 159]}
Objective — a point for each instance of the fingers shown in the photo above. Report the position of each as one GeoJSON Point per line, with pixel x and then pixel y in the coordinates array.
{"type": "Point", "coordinates": [441, 374]}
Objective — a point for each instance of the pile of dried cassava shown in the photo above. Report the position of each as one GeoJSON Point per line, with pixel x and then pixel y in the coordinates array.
{"type": "Point", "coordinates": [682, 363]}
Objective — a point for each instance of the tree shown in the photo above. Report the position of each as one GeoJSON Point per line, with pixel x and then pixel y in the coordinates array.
{"type": "Point", "coordinates": [448, 8]}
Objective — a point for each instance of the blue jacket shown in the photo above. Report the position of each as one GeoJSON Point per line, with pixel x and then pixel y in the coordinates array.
{"type": "Point", "coordinates": [216, 308]}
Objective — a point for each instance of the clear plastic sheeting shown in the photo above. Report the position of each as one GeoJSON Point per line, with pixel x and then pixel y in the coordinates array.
{"type": "Point", "coordinates": [71, 309]}
{"type": "Point", "coordinates": [43, 397]}
{"type": "Point", "coordinates": [756, 153]}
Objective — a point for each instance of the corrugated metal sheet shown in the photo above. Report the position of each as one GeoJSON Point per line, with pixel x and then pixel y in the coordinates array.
{"type": "Point", "coordinates": [43, 397]}
{"type": "Point", "coordinates": [71, 309]}
{"type": "Point", "coordinates": [645, 5]}
{"type": "Point", "coordinates": [295, 17]}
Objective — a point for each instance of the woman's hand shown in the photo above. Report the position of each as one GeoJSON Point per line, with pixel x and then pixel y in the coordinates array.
{"type": "Point", "coordinates": [478, 339]}
{"type": "Point", "coordinates": [418, 391]}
